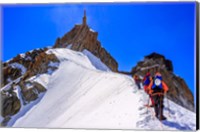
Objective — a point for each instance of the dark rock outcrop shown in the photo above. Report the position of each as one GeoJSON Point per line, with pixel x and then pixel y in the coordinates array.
{"type": "Point", "coordinates": [16, 74]}
{"type": "Point", "coordinates": [157, 57]}
{"type": "Point", "coordinates": [179, 92]}
{"type": "Point", "coordinates": [34, 62]}
{"type": "Point", "coordinates": [10, 104]}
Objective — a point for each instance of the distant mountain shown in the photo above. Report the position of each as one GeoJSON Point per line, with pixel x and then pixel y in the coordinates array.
{"type": "Point", "coordinates": [179, 92]}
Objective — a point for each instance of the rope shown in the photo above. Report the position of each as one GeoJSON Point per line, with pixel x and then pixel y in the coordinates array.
{"type": "Point", "coordinates": [157, 94]}
{"type": "Point", "coordinates": [154, 117]}
{"type": "Point", "coordinates": [153, 113]}
{"type": "Point", "coordinates": [160, 107]}
{"type": "Point", "coordinates": [148, 104]}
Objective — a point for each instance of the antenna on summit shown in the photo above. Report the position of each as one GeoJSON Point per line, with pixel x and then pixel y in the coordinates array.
{"type": "Point", "coordinates": [84, 13]}
{"type": "Point", "coordinates": [84, 18]}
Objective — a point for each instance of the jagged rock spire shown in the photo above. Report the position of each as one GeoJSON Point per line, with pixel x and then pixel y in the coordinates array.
{"type": "Point", "coordinates": [84, 18]}
{"type": "Point", "coordinates": [82, 37]}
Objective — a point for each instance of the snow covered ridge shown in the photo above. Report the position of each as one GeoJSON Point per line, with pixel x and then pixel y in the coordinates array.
{"type": "Point", "coordinates": [31, 88]}
{"type": "Point", "coordinates": [83, 93]}
{"type": "Point", "coordinates": [85, 59]}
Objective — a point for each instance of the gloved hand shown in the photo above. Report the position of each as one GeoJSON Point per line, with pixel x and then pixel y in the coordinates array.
{"type": "Point", "coordinates": [165, 92]}
{"type": "Point", "coordinates": [150, 91]}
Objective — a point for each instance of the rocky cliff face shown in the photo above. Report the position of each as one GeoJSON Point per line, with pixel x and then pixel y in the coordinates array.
{"type": "Point", "coordinates": [27, 65]}
{"type": "Point", "coordinates": [17, 72]}
{"type": "Point", "coordinates": [179, 92]}
{"type": "Point", "coordinates": [82, 37]}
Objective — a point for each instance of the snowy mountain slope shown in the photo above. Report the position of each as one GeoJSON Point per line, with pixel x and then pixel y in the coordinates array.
{"type": "Point", "coordinates": [80, 95]}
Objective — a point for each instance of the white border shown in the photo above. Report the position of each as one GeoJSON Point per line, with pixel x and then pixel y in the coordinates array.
{"type": "Point", "coordinates": [68, 1]}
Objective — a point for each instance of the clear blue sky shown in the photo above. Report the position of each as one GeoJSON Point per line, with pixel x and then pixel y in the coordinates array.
{"type": "Point", "coordinates": [127, 31]}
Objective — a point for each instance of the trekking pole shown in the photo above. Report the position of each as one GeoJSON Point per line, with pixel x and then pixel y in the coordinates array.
{"type": "Point", "coordinates": [168, 105]}
{"type": "Point", "coordinates": [148, 104]}
{"type": "Point", "coordinates": [168, 108]}
{"type": "Point", "coordinates": [161, 125]}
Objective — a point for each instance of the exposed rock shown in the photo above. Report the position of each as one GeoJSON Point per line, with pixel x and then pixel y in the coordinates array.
{"type": "Point", "coordinates": [39, 87]}
{"type": "Point", "coordinates": [35, 62]}
{"type": "Point", "coordinates": [179, 92]}
{"type": "Point", "coordinates": [10, 74]}
{"type": "Point", "coordinates": [40, 64]}
{"type": "Point", "coordinates": [29, 94]}
{"type": "Point", "coordinates": [82, 37]}
{"type": "Point", "coordinates": [154, 56]}
{"type": "Point", "coordinates": [10, 104]}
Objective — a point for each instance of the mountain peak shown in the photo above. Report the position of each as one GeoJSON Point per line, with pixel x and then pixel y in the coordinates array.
{"type": "Point", "coordinates": [154, 55]}
{"type": "Point", "coordinates": [82, 37]}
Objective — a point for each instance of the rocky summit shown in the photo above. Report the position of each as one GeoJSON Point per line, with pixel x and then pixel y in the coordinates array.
{"type": "Point", "coordinates": [82, 37]}
{"type": "Point", "coordinates": [179, 92]}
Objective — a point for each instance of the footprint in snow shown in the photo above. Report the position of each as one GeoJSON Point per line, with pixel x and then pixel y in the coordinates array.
{"type": "Point", "coordinates": [134, 91]}
{"type": "Point", "coordinates": [141, 108]}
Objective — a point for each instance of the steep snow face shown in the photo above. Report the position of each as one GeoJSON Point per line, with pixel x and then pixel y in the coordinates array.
{"type": "Point", "coordinates": [95, 61]}
{"type": "Point", "coordinates": [79, 95]}
{"type": "Point", "coordinates": [67, 55]}
{"type": "Point", "coordinates": [75, 90]}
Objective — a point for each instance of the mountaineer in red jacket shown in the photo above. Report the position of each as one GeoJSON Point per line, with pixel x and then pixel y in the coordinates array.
{"type": "Point", "coordinates": [146, 82]}
{"type": "Point", "coordinates": [157, 89]}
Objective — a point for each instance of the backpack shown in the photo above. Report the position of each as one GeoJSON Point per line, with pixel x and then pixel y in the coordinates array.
{"type": "Point", "coordinates": [157, 83]}
{"type": "Point", "coordinates": [146, 80]}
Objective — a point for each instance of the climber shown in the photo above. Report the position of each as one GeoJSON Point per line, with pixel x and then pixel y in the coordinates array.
{"type": "Point", "coordinates": [157, 89]}
{"type": "Point", "coordinates": [146, 81]}
{"type": "Point", "coordinates": [137, 80]}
